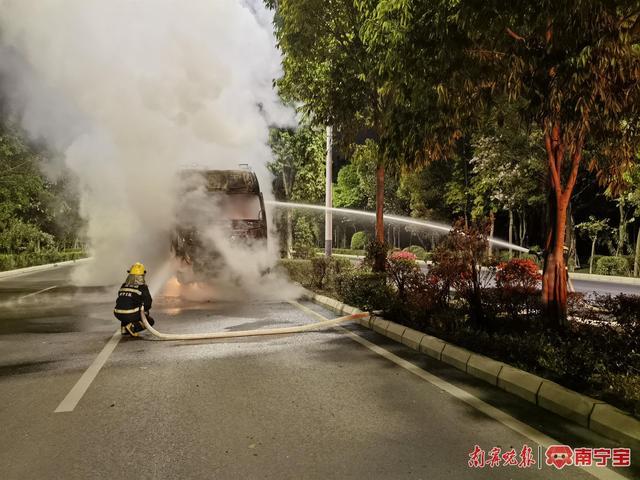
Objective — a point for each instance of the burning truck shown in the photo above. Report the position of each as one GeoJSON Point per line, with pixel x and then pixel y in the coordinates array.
{"type": "Point", "coordinates": [215, 206]}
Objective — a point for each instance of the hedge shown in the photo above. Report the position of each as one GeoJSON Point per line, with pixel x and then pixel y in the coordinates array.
{"type": "Point", "coordinates": [9, 261]}
{"type": "Point", "coordinates": [612, 266]}
{"type": "Point", "coordinates": [358, 241]}
{"type": "Point", "coordinates": [419, 252]}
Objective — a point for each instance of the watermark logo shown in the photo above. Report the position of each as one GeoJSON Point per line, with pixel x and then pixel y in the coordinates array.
{"type": "Point", "coordinates": [557, 456]}
{"type": "Point", "coordinates": [524, 458]}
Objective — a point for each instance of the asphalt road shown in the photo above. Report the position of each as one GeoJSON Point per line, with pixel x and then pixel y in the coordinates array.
{"type": "Point", "coordinates": [308, 406]}
{"type": "Point", "coordinates": [613, 288]}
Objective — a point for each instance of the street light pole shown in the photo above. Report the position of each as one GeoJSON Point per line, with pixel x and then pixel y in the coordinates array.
{"type": "Point", "coordinates": [328, 219]}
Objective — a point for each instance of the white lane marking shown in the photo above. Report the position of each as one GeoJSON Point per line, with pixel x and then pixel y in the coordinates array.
{"type": "Point", "coordinates": [489, 410]}
{"type": "Point", "coordinates": [36, 293]}
{"type": "Point", "coordinates": [79, 389]}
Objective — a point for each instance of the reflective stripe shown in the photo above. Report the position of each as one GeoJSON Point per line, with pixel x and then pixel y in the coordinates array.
{"type": "Point", "coordinates": [133, 310]}
{"type": "Point", "coordinates": [132, 290]}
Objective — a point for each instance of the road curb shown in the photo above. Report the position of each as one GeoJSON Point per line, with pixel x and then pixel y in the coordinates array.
{"type": "Point", "coordinates": [566, 403]}
{"type": "Point", "coordinates": [593, 414]}
{"type": "Point", "coordinates": [614, 423]}
{"type": "Point", "coordinates": [592, 277]}
{"type": "Point", "coordinates": [412, 338]}
{"type": "Point", "coordinates": [37, 268]}
{"type": "Point", "coordinates": [523, 384]}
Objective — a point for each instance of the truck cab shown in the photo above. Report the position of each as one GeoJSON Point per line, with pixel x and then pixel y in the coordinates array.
{"type": "Point", "coordinates": [216, 207]}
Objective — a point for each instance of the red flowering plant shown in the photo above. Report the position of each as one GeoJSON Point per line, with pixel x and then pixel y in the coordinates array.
{"type": "Point", "coordinates": [463, 263]}
{"type": "Point", "coordinates": [519, 274]}
{"type": "Point", "coordinates": [401, 267]}
{"type": "Point", "coordinates": [518, 283]}
{"type": "Point", "coordinates": [426, 296]}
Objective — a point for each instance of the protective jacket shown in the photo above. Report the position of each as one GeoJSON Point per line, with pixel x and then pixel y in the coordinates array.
{"type": "Point", "coordinates": [131, 298]}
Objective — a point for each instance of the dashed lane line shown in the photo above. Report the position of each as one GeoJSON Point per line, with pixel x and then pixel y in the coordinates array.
{"type": "Point", "coordinates": [81, 386]}
{"type": "Point", "coordinates": [489, 410]}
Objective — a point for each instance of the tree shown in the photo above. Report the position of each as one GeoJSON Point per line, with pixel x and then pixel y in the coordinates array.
{"type": "Point", "coordinates": [592, 229]}
{"type": "Point", "coordinates": [507, 167]}
{"type": "Point", "coordinates": [349, 191]}
{"type": "Point", "coordinates": [298, 168]}
{"type": "Point", "coordinates": [573, 66]}
{"type": "Point", "coordinates": [632, 181]}
{"type": "Point", "coordinates": [328, 69]}
{"type": "Point", "coordinates": [622, 237]}
{"type": "Point", "coordinates": [30, 204]}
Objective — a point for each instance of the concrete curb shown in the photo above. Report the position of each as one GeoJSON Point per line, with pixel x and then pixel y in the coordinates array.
{"type": "Point", "coordinates": [592, 277]}
{"type": "Point", "coordinates": [596, 415]}
{"type": "Point", "coordinates": [37, 268]}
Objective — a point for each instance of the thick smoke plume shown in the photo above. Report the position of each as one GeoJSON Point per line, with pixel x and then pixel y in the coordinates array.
{"type": "Point", "coordinates": [130, 91]}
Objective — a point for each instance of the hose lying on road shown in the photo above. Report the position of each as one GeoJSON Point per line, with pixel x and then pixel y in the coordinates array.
{"type": "Point", "coordinates": [249, 333]}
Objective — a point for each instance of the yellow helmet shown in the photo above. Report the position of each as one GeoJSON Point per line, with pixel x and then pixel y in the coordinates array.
{"type": "Point", "coordinates": [137, 269]}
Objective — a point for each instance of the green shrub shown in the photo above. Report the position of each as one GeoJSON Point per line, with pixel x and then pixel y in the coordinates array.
{"type": "Point", "coordinates": [630, 260]}
{"type": "Point", "coordinates": [348, 251]}
{"type": "Point", "coordinates": [305, 252]}
{"type": "Point", "coordinates": [359, 240]}
{"type": "Point", "coordinates": [625, 387]}
{"type": "Point", "coordinates": [612, 266]}
{"type": "Point", "coordinates": [7, 262]}
{"type": "Point", "coordinates": [502, 255]}
{"type": "Point", "coordinates": [365, 290]}
{"type": "Point", "coordinates": [418, 251]}
{"type": "Point", "coordinates": [530, 256]}
{"type": "Point", "coordinates": [22, 260]}
{"type": "Point", "coordinates": [596, 258]}
{"type": "Point", "coordinates": [325, 270]}
{"type": "Point", "coordinates": [298, 270]}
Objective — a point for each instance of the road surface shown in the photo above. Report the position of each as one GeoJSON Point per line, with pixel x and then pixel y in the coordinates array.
{"type": "Point", "coordinates": [597, 286]}
{"type": "Point", "coordinates": [338, 404]}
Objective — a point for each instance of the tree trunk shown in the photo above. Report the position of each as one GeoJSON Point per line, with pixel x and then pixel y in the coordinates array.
{"type": "Point", "coordinates": [289, 234]}
{"type": "Point", "coordinates": [570, 241]}
{"type": "Point", "coordinates": [522, 227]}
{"type": "Point", "coordinates": [492, 220]}
{"type": "Point", "coordinates": [636, 262]}
{"type": "Point", "coordinates": [510, 232]}
{"type": "Point", "coordinates": [379, 261]}
{"type": "Point", "coordinates": [554, 279]}
{"type": "Point", "coordinates": [622, 229]}
{"type": "Point", "coordinates": [593, 252]}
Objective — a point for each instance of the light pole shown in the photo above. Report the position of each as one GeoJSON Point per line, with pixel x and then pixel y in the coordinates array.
{"type": "Point", "coordinates": [328, 219]}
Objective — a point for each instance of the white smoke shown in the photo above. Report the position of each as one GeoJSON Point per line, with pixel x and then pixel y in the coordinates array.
{"type": "Point", "coordinates": [131, 91]}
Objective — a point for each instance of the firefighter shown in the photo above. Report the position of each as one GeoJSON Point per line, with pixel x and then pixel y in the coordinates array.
{"type": "Point", "coordinates": [132, 297]}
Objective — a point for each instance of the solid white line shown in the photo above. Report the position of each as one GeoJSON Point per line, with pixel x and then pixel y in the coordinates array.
{"type": "Point", "coordinates": [79, 389]}
{"type": "Point", "coordinates": [36, 293]}
{"type": "Point", "coordinates": [489, 410]}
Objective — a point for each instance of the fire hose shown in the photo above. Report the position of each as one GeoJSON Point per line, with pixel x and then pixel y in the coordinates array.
{"type": "Point", "coordinates": [249, 333]}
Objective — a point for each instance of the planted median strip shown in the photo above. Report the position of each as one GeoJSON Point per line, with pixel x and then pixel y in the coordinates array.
{"type": "Point", "coordinates": [596, 415]}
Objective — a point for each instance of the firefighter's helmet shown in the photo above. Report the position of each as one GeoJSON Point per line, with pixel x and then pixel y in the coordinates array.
{"type": "Point", "coordinates": [137, 269]}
